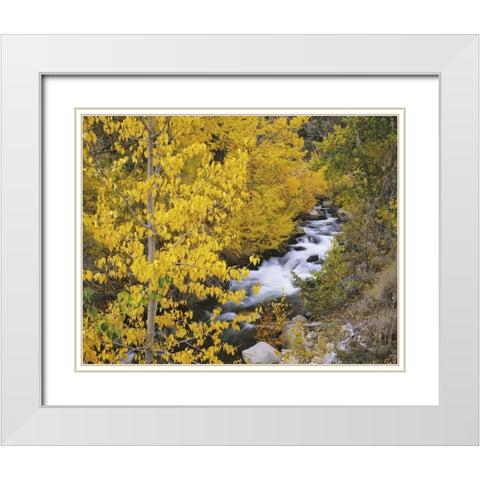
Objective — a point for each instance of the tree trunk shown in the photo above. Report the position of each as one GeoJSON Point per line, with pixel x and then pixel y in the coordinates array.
{"type": "Point", "coordinates": [152, 303]}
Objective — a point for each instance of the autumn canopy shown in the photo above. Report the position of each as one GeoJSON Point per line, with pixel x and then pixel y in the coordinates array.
{"type": "Point", "coordinates": [176, 207]}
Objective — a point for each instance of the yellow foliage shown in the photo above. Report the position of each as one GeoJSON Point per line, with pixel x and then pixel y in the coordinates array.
{"type": "Point", "coordinates": [271, 321]}
{"type": "Point", "coordinates": [217, 183]}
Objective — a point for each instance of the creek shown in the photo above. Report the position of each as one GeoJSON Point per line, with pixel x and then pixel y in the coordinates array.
{"type": "Point", "coordinates": [305, 254]}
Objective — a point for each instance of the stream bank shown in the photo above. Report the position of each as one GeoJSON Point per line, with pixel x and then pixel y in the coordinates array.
{"type": "Point", "coordinates": [304, 254]}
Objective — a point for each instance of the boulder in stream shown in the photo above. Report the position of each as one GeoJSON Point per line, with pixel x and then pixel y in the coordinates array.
{"type": "Point", "coordinates": [298, 232]}
{"type": "Point", "coordinates": [343, 216]}
{"type": "Point", "coordinates": [299, 318]}
{"type": "Point", "coordinates": [261, 352]}
{"type": "Point", "coordinates": [318, 215]}
{"type": "Point", "coordinates": [292, 332]}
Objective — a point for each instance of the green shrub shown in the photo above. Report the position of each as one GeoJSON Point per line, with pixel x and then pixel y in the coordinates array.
{"type": "Point", "coordinates": [330, 288]}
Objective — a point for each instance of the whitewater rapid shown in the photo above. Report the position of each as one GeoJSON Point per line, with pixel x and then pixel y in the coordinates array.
{"type": "Point", "coordinates": [305, 255]}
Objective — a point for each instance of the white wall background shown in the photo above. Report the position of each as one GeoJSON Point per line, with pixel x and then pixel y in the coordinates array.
{"type": "Point", "coordinates": [245, 16]}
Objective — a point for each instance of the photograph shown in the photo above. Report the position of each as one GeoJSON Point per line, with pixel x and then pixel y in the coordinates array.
{"type": "Point", "coordinates": [239, 239]}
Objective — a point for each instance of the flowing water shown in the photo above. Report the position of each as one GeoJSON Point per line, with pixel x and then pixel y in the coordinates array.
{"type": "Point", "coordinates": [274, 275]}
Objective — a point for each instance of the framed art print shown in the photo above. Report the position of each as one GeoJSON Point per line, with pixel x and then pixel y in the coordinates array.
{"type": "Point", "coordinates": [243, 248]}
